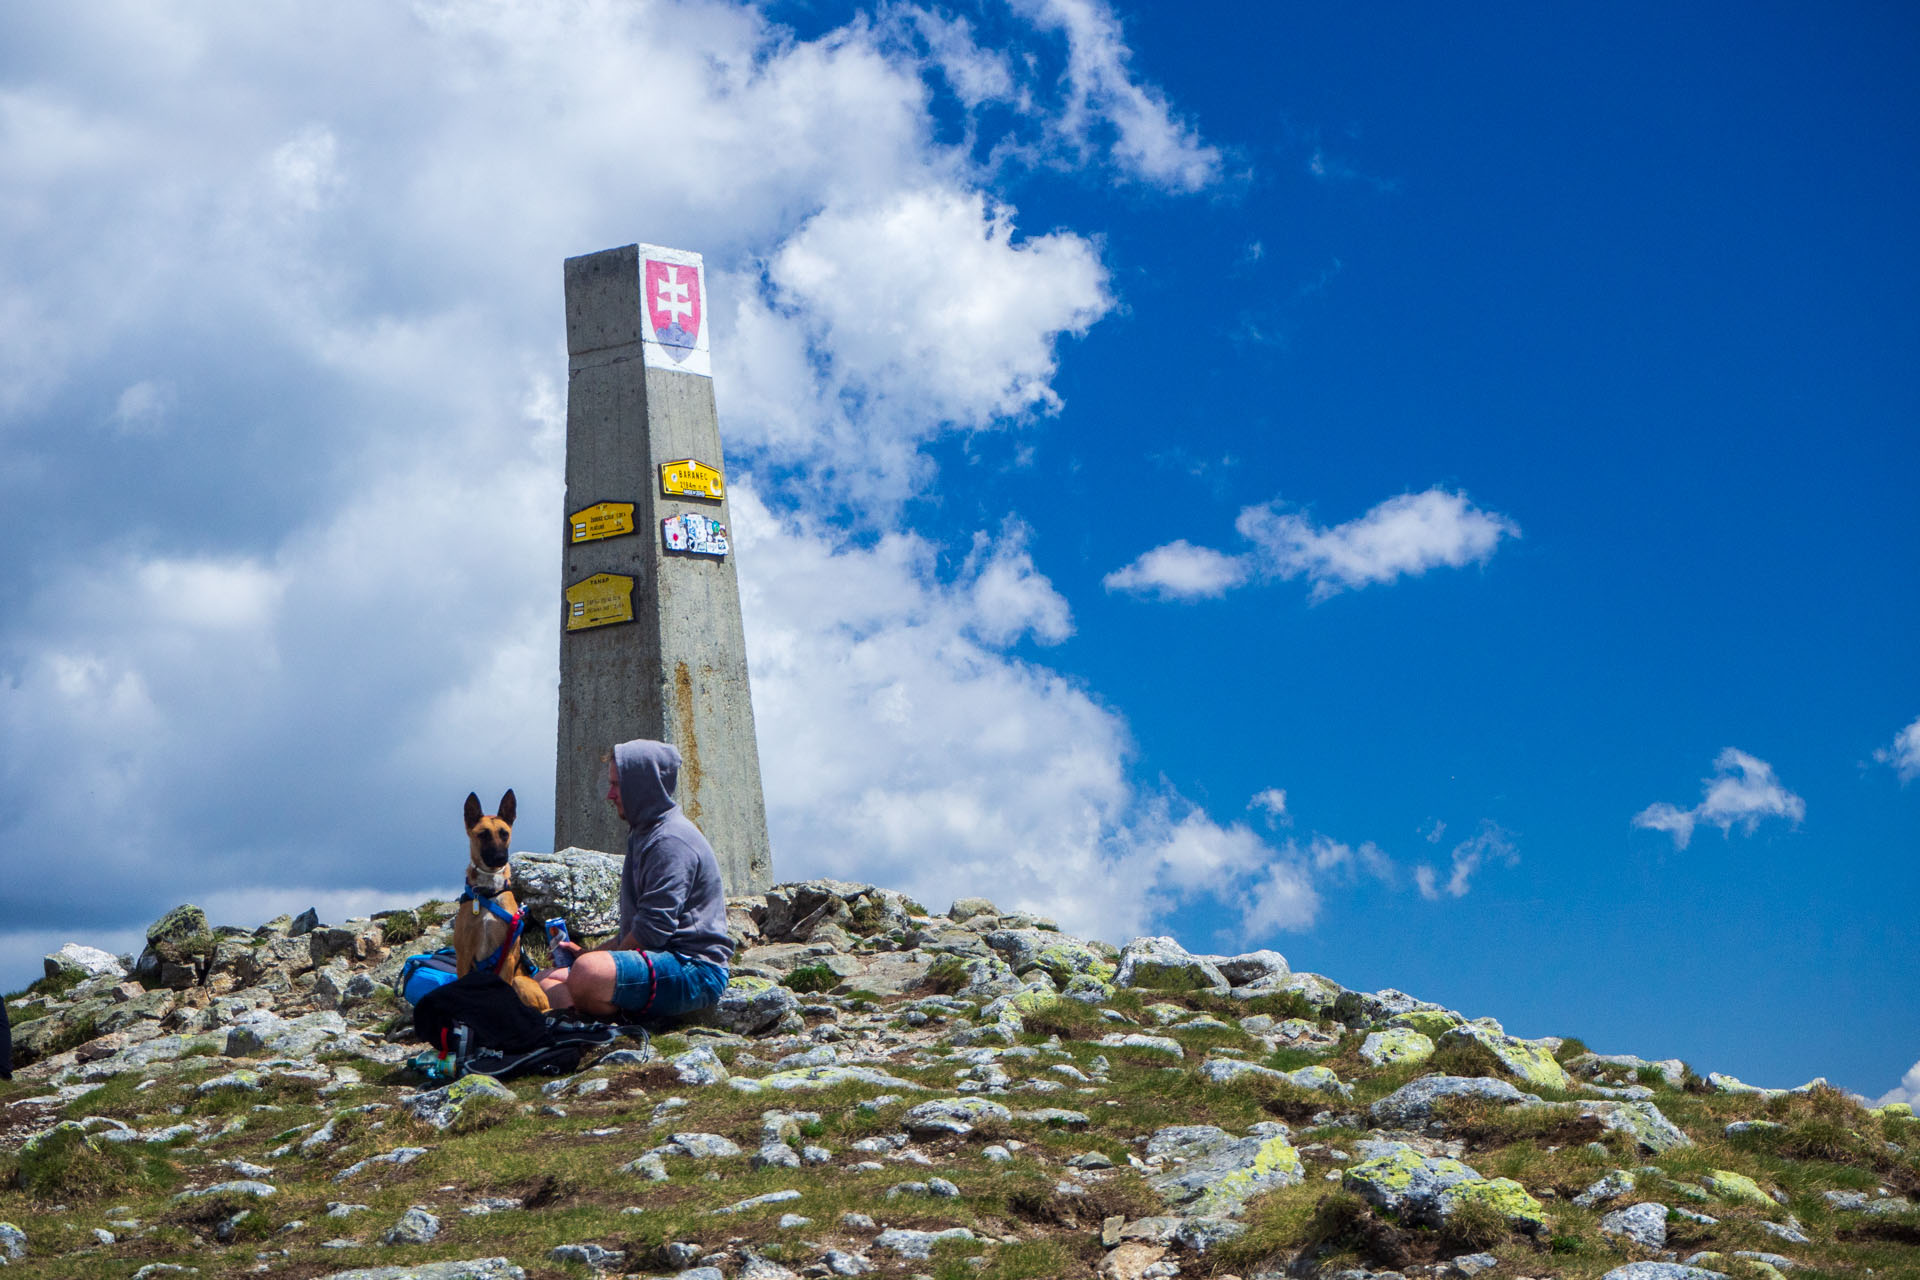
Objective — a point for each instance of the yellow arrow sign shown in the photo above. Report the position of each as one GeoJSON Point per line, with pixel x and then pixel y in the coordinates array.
{"type": "Point", "coordinates": [601, 520]}
{"type": "Point", "coordinates": [690, 479]}
{"type": "Point", "coordinates": [599, 601]}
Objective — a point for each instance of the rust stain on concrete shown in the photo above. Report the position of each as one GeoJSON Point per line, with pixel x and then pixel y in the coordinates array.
{"type": "Point", "coordinates": [689, 744]}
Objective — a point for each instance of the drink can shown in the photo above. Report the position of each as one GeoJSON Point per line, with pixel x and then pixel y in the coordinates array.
{"type": "Point", "coordinates": [556, 931]}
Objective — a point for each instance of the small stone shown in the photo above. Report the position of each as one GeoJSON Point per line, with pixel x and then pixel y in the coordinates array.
{"type": "Point", "coordinates": [754, 1202]}
{"type": "Point", "coordinates": [416, 1226]}
{"type": "Point", "coordinates": [596, 1256]}
{"type": "Point", "coordinates": [918, 1245]}
{"type": "Point", "coordinates": [1645, 1224]}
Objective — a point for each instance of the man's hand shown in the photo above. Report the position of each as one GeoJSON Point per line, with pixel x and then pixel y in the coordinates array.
{"type": "Point", "coordinates": [570, 949]}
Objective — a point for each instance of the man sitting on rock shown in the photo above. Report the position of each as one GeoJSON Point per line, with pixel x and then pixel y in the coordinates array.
{"type": "Point", "coordinates": [671, 952]}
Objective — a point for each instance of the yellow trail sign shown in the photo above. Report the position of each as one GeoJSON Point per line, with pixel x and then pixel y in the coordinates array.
{"type": "Point", "coordinates": [601, 520]}
{"type": "Point", "coordinates": [599, 601]}
{"type": "Point", "coordinates": [690, 479]}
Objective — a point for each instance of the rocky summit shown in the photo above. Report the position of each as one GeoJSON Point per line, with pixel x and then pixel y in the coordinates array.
{"type": "Point", "coordinates": [886, 1091]}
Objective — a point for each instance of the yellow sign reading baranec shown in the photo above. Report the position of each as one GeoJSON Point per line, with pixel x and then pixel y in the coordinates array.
{"type": "Point", "coordinates": [690, 479]}
{"type": "Point", "coordinates": [599, 601]}
{"type": "Point", "coordinates": [601, 520]}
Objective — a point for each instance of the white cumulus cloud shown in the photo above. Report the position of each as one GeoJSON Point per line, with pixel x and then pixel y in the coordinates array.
{"type": "Point", "coordinates": [1907, 1091]}
{"type": "Point", "coordinates": [1179, 571]}
{"type": "Point", "coordinates": [1742, 792]}
{"type": "Point", "coordinates": [1904, 753]}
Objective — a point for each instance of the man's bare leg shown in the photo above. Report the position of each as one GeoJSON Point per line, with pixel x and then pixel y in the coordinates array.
{"type": "Point", "coordinates": [586, 985]}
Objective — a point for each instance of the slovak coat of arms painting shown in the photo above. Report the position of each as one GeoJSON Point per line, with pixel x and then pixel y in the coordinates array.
{"type": "Point", "coordinates": [673, 310]}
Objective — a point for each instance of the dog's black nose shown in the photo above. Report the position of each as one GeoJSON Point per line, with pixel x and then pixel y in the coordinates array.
{"type": "Point", "coordinates": [495, 858]}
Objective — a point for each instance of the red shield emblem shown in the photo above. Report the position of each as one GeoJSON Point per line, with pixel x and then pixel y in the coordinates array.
{"type": "Point", "coordinates": [671, 298]}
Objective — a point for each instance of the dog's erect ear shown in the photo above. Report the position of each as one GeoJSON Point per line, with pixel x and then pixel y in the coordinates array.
{"type": "Point", "coordinates": [507, 808]}
{"type": "Point", "coordinates": [473, 811]}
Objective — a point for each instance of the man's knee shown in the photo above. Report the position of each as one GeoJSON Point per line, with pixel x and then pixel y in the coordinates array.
{"type": "Point", "coordinates": [590, 980]}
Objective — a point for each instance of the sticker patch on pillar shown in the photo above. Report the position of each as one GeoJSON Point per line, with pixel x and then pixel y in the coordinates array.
{"type": "Point", "coordinates": [694, 534]}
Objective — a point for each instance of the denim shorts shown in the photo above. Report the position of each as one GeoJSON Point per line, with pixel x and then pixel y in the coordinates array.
{"type": "Point", "coordinates": [661, 984]}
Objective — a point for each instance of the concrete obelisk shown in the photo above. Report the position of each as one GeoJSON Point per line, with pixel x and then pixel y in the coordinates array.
{"type": "Point", "coordinates": [651, 644]}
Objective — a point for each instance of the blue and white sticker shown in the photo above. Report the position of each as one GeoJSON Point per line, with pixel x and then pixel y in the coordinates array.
{"type": "Point", "coordinates": [694, 534]}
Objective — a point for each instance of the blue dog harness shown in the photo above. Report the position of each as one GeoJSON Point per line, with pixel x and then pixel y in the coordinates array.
{"type": "Point", "coordinates": [514, 920]}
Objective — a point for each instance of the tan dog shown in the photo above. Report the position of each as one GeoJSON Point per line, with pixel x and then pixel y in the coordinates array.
{"type": "Point", "coordinates": [478, 932]}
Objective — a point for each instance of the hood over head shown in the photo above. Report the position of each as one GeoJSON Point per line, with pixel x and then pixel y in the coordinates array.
{"type": "Point", "coordinates": [648, 772]}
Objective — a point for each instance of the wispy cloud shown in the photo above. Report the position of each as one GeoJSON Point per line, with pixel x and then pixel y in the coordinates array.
{"type": "Point", "coordinates": [1402, 537]}
{"type": "Point", "coordinates": [1742, 792]}
{"type": "Point", "coordinates": [1904, 753]}
{"type": "Point", "coordinates": [1105, 100]}
{"type": "Point", "coordinates": [1490, 844]}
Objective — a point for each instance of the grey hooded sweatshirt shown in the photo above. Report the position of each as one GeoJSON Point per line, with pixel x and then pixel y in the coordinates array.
{"type": "Point", "coordinates": [671, 898]}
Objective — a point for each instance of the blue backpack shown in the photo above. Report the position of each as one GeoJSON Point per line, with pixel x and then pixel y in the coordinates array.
{"type": "Point", "coordinates": [423, 973]}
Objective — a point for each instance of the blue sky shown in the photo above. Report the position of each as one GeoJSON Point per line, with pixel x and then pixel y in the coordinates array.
{"type": "Point", "coordinates": [1426, 491]}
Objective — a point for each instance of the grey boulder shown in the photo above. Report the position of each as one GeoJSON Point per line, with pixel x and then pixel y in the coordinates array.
{"type": "Point", "coordinates": [1411, 1105]}
{"type": "Point", "coordinates": [1645, 1224]}
{"type": "Point", "coordinates": [578, 885]}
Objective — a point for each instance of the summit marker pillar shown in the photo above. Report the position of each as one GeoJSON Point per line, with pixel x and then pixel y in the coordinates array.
{"type": "Point", "coordinates": [651, 642]}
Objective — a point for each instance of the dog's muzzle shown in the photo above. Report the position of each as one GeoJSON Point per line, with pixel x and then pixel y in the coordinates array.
{"type": "Point", "coordinates": [494, 858]}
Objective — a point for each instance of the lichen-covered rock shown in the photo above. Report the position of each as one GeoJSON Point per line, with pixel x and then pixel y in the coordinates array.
{"type": "Point", "coordinates": [182, 922]}
{"type": "Point", "coordinates": [1529, 1060]}
{"type": "Point", "coordinates": [1431, 1023]}
{"type": "Point", "coordinates": [1737, 1188]}
{"type": "Point", "coordinates": [578, 885]}
{"type": "Point", "coordinates": [1411, 1105]}
{"type": "Point", "coordinates": [820, 1078]}
{"type": "Point", "coordinates": [1503, 1195]}
{"type": "Point", "coordinates": [1590, 1065]}
{"type": "Point", "coordinates": [476, 1269]}
{"type": "Point", "coordinates": [1162, 964]}
{"type": "Point", "coordinates": [1220, 1172]}
{"type": "Point", "coordinates": [416, 1226]}
{"type": "Point", "coordinates": [1399, 1180]}
{"type": "Point", "coordinates": [1651, 1131]}
{"type": "Point", "coordinates": [13, 1242]}
{"type": "Point", "coordinates": [958, 1116]}
{"type": "Point", "coordinates": [699, 1066]}
{"type": "Point", "coordinates": [1616, 1184]}
{"type": "Point", "coordinates": [1228, 1070]}
{"type": "Point", "coordinates": [441, 1107]}
{"type": "Point", "coordinates": [1645, 1224]}
{"type": "Point", "coordinates": [1662, 1271]}
{"type": "Point", "coordinates": [750, 1006]}
{"type": "Point", "coordinates": [1320, 1080]}
{"type": "Point", "coordinates": [1318, 991]}
{"type": "Point", "coordinates": [264, 1031]}
{"type": "Point", "coordinates": [1396, 1044]}
{"type": "Point", "coordinates": [1140, 1040]}
{"type": "Point", "coordinates": [1253, 969]}
{"type": "Point", "coordinates": [917, 1245]}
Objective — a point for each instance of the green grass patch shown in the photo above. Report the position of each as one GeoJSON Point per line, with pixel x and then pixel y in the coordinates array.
{"type": "Point", "coordinates": [811, 977]}
{"type": "Point", "coordinates": [945, 976]}
{"type": "Point", "coordinates": [77, 1166]}
{"type": "Point", "coordinates": [400, 927]}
